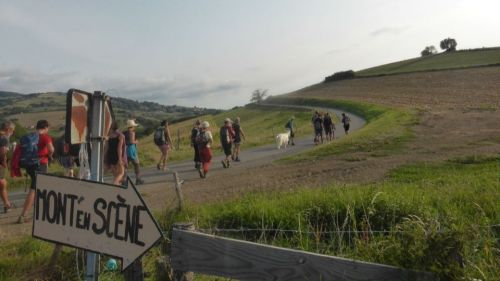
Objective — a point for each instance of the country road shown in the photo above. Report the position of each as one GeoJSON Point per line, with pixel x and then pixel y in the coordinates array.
{"type": "Point", "coordinates": [155, 181]}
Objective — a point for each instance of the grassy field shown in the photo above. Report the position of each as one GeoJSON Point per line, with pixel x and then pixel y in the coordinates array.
{"type": "Point", "coordinates": [432, 214]}
{"type": "Point", "coordinates": [260, 124]}
{"type": "Point", "coordinates": [453, 60]}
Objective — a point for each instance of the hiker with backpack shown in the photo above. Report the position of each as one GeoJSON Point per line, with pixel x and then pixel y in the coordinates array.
{"type": "Point", "coordinates": [131, 148]}
{"type": "Point", "coordinates": [238, 135]}
{"type": "Point", "coordinates": [204, 141]}
{"type": "Point", "coordinates": [163, 141]}
{"type": "Point", "coordinates": [6, 130]}
{"type": "Point", "coordinates": [194, 132]}
{"type": "Point", "coordinates": [318, 129]}
{"type": "Point", "coordinates": [347, 123]}
{"type": "Point", "coordinates": [290, 126]}
{"type": "Point", "coordinates": [329, 127]}
{"type": "Point", "coordinates": [36, 151]}
{"type": "Point", "coordinates": [226, 140]}
{"type": "Point", "coordinates": [115, 156]}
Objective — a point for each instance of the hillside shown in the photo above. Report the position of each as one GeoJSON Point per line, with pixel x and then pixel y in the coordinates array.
{"type": "Point", "coordinates": [27, 109]}
{"type": "Point", "coordinates": [442, 61]}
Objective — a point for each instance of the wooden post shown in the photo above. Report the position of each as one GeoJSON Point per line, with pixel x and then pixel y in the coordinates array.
{"type": "Point", "coordinates": [53, 258]}
{"type": "Point", "coordinates": [178, 138]}
{"type": "Point", "coordinates": [178, 274]}
{"type": "Point", "coordinates": [178, 191]}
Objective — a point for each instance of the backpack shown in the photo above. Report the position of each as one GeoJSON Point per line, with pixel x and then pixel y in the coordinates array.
{"type": "Point", "coordinates": [317, 124]}
{"type": "Point", "coordinates": [201, 139]}
{"type": "Point", "coordinates": [128, 141]}
{"type": "Point", "coordinates": [29, 150]}
{"type": "Point", "coordinates": [224, 135]}
{"type": "Point", "coordinates": [159, 136]}
{"type": "Point", "coordinates": [288, 125]}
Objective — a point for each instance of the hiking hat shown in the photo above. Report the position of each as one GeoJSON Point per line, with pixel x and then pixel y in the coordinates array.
{"type": "Point", "coordinates": [228, 120]}
{"type": "Point", "coordinates": [205, 125]}
{"type": "Point", "coordinates": [131, 123]}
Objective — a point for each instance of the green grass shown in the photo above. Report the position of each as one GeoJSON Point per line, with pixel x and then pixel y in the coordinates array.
{"type": "Point", "coordinates": [453, 60]}
{"type": "Point", "coordinates": [260, 124]}
{"type": "Point", "coordinates": [434, 212]}
{"type": "Point", "coordinates": [385, 132]}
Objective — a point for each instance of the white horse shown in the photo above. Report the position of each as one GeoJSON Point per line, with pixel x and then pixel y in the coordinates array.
{"type": "Point", "coordinates": [282, 139]}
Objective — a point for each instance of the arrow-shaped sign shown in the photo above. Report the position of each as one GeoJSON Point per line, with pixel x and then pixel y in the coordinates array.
{"type": "Point", "coordinates": [94, 216]}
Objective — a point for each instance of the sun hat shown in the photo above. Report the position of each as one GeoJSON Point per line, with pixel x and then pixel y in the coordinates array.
{"type": "Point", "coordinates": [228, 120]}
{"type": "Point", "coordinates": [205, 124]}
{"type": "Point", "coordinates": [131, 123]}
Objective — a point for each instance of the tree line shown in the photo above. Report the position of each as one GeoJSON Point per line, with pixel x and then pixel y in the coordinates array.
{"type": "Point", "coordinates": [447, 44]}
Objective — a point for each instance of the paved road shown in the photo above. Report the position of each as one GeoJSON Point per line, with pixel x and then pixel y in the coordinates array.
{"type": "Point", "coordinates": [250, 157]}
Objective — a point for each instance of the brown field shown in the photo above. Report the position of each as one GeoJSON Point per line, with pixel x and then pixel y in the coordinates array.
{"type": "Point", "coordinates": [56, 118]}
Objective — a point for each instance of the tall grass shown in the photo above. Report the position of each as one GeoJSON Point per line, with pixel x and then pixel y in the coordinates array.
{"type": "Point", "coordinates": [436, 218]}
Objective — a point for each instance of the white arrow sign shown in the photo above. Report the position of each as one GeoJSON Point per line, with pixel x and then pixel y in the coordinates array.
{"type": "Point", "coordinates": [94, 216]}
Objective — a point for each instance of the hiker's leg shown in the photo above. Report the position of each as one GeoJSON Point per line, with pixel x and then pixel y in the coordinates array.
{"type": "Point", "coordinates": [28, 203]}
{"type": "Point", "coordinates": [3, 193]}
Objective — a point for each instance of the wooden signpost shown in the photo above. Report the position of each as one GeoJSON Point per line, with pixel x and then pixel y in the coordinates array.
{"type": "Point", "coordinates": [94, 216]}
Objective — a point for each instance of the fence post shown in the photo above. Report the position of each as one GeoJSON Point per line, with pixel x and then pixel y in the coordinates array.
{"type": "Point", "coordinates": [183, 275]}
{"type": "Point", "coordinates": [178, 191]}
{"type": "Point", "coordinates": [178, 139]}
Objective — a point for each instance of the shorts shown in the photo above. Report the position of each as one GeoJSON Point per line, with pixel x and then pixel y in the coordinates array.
{"type": "Point", "coordinates": [132, 153]}
{"type": "Point", "coordinates": [164, 148]}
{"type": "Point", "coordinates": [328, 130]}
{"type": "Point", "coordinates": [32, 170]}
{"type": "Point", "coordinates": [237, 141]}
{"type": "Point", "coordinates": [346, 127]}
{"type": "Point", "coordinates": [319, 132]}
{"type": "Point", "coordinates": [3, 172]}
{"type": "Point", "coordinates": [227, 148]}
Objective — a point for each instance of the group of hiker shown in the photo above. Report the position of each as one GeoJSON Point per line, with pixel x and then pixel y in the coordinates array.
{"type": "Point", "coordinates": [33, 154]}
{"type": "Point", "coordinates": [323, 123]}
{"type": "Point", "coordinates": [231, 134]}
{"type": "Point", "coordinates": [36, 150]}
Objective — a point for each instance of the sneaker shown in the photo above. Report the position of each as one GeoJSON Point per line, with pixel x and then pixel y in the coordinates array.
{"type": "Point", "coordinates": [139, 181]}
{"type": "Point", "coordinates": [22, 219]}
{"type": "Point", "coordinates": [228, 163]}
{"type": "Point", "coordinates": [200, 171]}
{"type": "Point", "coordinates": [224, 163]}
{"type": "Point", "coordinates": [237, 159]}
{"type": "Point", "coordinates": [158, 166]}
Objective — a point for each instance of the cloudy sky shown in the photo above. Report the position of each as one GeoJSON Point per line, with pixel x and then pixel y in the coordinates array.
{"type": "Point", "coordinates": [215, 53]}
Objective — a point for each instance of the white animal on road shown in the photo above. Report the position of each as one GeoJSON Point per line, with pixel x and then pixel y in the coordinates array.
{"type": "Point", "coordinates": [282, 139]}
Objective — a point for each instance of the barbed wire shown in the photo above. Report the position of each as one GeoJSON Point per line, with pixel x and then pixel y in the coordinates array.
{"type": "Point", "coordinates": [295, 231]}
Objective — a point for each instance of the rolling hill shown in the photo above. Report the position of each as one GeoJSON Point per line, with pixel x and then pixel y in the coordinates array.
{"type": "Point", "coordinates": [27, 109]}
{"type": "Point", "coordinates": [452, 60]}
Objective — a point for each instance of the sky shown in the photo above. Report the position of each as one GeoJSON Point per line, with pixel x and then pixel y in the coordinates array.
{"type": "Point", "coordinates": [215, 53]}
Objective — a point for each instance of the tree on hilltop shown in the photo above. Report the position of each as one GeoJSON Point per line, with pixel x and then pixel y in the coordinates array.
{"type": "Point", "coordinates": [428, 51]}
{"type": "Point", "coordinates": [448, 44]}
{"type": "Point", "coordinates": [258, 95]}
